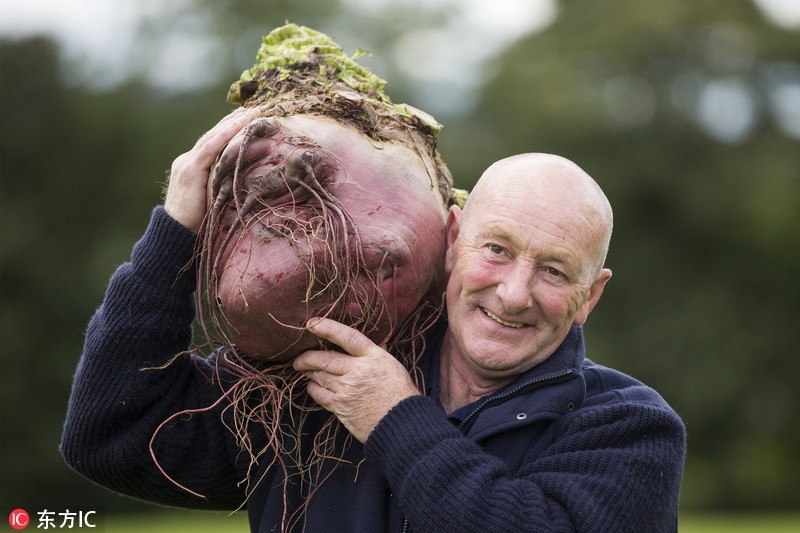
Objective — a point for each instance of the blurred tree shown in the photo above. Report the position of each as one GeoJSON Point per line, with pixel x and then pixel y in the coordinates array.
{"type": "Point", "coordinates": [676, 109]}
{"type": "Point", "coordinates": [80, 172]}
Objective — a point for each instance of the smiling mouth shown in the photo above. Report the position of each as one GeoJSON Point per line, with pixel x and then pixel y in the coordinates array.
{"type": "Point", "coordinates": [499, 320]}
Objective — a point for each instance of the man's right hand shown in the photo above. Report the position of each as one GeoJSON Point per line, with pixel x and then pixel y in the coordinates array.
{"type": "Point", "coordinates": [185, 200]}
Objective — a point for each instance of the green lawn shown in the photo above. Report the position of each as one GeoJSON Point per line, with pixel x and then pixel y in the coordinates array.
{"type": "Point", "coordinates": [735, 523]}
{"type": "Point", "coordinates": [194, 522]}
{"type": "Point", "coordinates": [178, 522]}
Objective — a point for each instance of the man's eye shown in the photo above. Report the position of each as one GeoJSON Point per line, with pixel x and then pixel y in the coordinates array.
{"type": "Point", "coordinates": [555, 272]}
{"type": "Point", "coordinates": [496, 249]}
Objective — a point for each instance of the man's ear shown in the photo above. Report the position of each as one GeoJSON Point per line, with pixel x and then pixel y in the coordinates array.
{"type": "Point", "coordinates": [595, 291]}
{"type": "Point", "coordinates": [451, 232]}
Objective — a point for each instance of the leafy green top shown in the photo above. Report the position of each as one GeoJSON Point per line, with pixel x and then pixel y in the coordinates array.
{"type": "Point", "coordinates": [303, 60]}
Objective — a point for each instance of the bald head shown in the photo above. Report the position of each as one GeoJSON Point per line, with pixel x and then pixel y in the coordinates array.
{"type": "Point", "coordinates": [552, 186]}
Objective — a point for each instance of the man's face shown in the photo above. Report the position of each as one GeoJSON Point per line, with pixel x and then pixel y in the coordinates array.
{"type": "Point", "coordinates": [522, 272]}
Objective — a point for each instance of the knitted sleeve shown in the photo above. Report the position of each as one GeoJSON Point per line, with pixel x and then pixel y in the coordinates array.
{"type": "Point", "coordinates": [611, 468]}
{"type": "Point", "coordinates": [118, 399]}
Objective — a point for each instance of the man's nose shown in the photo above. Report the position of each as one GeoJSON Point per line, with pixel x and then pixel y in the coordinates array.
{"type": "Point", "coordinates": [515, 290]}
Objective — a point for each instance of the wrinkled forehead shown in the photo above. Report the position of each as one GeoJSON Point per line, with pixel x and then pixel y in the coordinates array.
{"type": "Point", "coordinates": [543, 198]}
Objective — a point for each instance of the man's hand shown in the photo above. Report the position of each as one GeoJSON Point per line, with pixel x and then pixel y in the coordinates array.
{"type": "Point", "coordinates": [185, 200]}
{"type": "Point", "coordinates": [359, 388]}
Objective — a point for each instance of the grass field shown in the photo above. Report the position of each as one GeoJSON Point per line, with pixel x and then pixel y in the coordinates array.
{"type": "Point", "coordinates": [744, 523]}
{"type": "Point", "coordinates": [191, 522]}
{"type": "Point", "coordinates": [178, 522]}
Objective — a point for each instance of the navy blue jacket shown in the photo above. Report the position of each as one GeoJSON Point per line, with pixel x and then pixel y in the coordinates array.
{"type": "Point", "coordinates": [569, 446]}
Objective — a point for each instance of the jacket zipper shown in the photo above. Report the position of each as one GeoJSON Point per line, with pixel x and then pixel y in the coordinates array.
{"type": "Point", "coordinates": [510, 392]}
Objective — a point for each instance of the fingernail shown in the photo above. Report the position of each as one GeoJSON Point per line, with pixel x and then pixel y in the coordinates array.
{"type": "Point", "coordinates": [312, 322]}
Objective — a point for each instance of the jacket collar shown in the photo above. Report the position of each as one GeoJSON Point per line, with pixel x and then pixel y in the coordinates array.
{"type": "Point", "coordinates": [569, 356]}
{"type": "Point", "coordinates": [506, 406]}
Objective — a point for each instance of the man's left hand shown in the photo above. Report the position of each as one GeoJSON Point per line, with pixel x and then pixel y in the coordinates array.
{"type": "Point", "coordinates": [359, 388]}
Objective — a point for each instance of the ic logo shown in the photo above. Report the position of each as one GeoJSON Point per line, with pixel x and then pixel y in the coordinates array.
{"type": "Point", "coordinates": [19, 519]}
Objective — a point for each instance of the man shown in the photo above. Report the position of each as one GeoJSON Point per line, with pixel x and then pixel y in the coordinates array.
{"type": "Point", "coordinates": [516, 430]}
{"type": "Point", "coordinates": [536, 437]}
